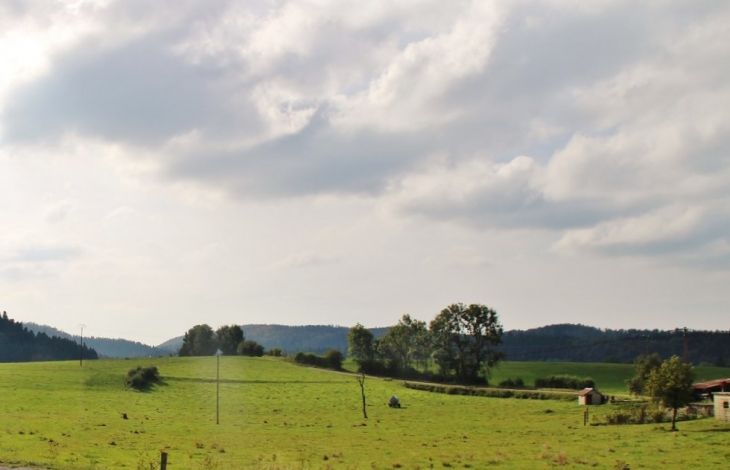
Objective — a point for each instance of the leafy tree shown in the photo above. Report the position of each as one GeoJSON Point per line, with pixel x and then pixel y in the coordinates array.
{"type": "Point", "coordinates": [671, 384]}
{"type": "Point", "coordinates": [228, 338]}
{"type": "Point", "coordinates": [333, 357]}
{"type": "Point", "coordinates": [643, 366]}
{"type": "Point", "coordinates": [360, 345]}
{"type": "Point", "coordinates": [401, 343]}
{"type": "Point", "coordinates": [423, 346]}
{"type": "Point", "coordinates": [464, 340]}
{"type": "Point", "coordinates": [199, 341]}
{"type": "Point", "coordinates": [250, 348]}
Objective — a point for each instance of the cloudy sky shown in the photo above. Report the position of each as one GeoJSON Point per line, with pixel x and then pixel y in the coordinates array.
{"type": "Point", "coordinates": [169, 163]}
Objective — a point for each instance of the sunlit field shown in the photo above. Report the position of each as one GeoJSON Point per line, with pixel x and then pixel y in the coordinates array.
{"type": "Point", "coordinates": [277, 415]}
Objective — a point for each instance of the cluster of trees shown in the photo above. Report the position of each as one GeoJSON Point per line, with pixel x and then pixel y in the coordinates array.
{"type": "Point", "coordinates": [461, 341]}
{"type": "Point", "coordinates": [19, 344]}
{"type": "Point", "coordinates": [667, 382]}
{"type": "Point", "coordinates": [201, 340]}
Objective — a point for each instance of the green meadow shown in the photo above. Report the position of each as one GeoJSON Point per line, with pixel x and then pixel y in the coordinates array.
{"type": "Point", "coordinates": [276, 415]}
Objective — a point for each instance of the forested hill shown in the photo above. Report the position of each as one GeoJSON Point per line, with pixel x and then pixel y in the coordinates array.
{"type": "Point", "coordinates": [106, 347]}
{"type": "Point", "coordinates": [19, 344]}
{"type": "Point", "coordinates": [578, 343]}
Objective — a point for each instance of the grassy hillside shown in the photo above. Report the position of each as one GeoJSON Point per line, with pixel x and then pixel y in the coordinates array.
{"type": "Point", "coordinates": [277, 415]}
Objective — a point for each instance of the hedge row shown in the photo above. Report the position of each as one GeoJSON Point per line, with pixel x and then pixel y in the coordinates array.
{"type": "Point", "coordinates": [488, 392]}
{"type": "Point", "coordinates": [565, 381]}
{"type": "Point", "coordinates": [332, 359]}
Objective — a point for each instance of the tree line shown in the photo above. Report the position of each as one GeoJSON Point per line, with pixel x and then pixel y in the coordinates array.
{"type": "Point", "coordinates": [579, 343]}
{"type": "Point", "coordinates": [459, 344]}
{"type": "Point", "coordinates": [19, 344]}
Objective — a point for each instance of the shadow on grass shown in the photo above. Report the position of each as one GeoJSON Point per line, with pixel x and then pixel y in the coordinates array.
{"type": "Point", "coordinates": [235, 381]}
{"type": "Point", "coordinates": [727, 429]}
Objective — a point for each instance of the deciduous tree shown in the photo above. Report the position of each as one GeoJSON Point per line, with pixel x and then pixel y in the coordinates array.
{"type": "Point", "coordinates": [464, 340]}
{"type": "Point", "coordinates": [229, 337]}
{"type": "Point", "coordinates": [360, 345]}
{"type": "Point", "coordinates": [643, 366]}
{"type": "Point", "coordinates": [401, 344]}
{"type": "Point", "coordinates": [671, 384]}
{"type": "Point", "coordinates": [199, 341]}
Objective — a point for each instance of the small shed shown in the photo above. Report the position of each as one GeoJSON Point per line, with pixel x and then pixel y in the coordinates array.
{"type": "Point", "coordinates": [722, 406]}
{"type": "Point", "coordinates": [590, 396]}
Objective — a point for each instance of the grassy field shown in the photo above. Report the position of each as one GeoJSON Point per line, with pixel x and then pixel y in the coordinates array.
{"type": "Point", "coordinates": [275, 415]}
{"type": "Point", "coordinates": [610, 378]}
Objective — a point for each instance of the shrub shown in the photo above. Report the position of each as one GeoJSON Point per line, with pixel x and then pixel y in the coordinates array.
{"type": "Point", "coordinates": [334, 359]}
{"type": "Point", "coordinates": [141, 378]}
{"type": "Point", "coordinates": [516, 383]}
{"type": "Point", "coordinates": [331, 360]}
{"type": "Point", "coordinates": [250, 348]}
{"type": "Point", "coordinates": [276, 352]}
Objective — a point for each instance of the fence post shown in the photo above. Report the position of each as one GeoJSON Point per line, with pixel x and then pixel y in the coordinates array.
{"type": "Point", "coordinates": [163, 461]}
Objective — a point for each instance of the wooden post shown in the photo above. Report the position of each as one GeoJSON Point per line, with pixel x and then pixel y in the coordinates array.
{"type": "Point", "coordinates": [163, 461]}
{"type": "Point", "coordinates": [585, 417]}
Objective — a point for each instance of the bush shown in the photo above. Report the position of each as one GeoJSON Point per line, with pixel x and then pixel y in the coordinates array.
{"type": "Point", "coordinates": [250, 348]}
{"type": "Point", "coordinates": [332, 359]}
{"type": "Point", "coordinates": [141, 378]}
{"type": "Point", "coordinates": [509, 383]}
{"type": "Point", "coordinates": [276, 352]}
{"type": "Point", "coordinates": [565, 381]}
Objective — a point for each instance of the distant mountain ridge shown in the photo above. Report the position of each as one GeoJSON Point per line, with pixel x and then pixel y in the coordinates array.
{"type": "Point", "coordinates": [19, 344]}
{"type": "Point", "coordinates": [105, 347]}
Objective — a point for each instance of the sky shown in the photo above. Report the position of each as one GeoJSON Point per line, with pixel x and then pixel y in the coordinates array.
{"type": "Point", "coordinates": [171, 163]}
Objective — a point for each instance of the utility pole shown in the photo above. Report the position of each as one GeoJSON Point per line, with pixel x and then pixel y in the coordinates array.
{"type": "Point", "coordinates": [217, 385]}
{"type": "Point", "coordinates": [686, 345]}
{"type": "Point", "coordinates": [81, 347]}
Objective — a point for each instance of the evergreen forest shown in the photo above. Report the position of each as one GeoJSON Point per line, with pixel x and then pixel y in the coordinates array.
{"type": "Point", "coordinates": [19, 344]}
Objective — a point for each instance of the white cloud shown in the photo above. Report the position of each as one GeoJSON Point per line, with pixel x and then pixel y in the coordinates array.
{"type": "Point", "coordinates": [58, 211]}
{"type": "Point", "coordinates": [415, 152]}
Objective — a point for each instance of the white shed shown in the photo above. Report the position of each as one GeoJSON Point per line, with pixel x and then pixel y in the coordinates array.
{"type": "Point", "coordinates": [722, 406]}
{"type": "Point", "coordinates": [590, 396]}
